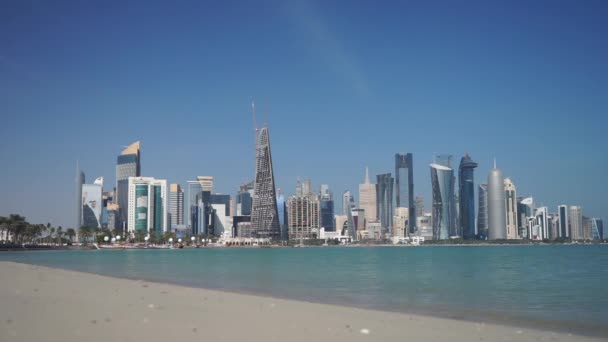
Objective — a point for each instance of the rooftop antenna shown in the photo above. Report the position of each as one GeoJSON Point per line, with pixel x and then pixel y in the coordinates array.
{"type": "Point", "coordinates": [494, 162]}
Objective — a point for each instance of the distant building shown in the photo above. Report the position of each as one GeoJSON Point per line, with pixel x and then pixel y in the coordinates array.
{"type": "Point", "coordinates": [148, 205]}
{"type": "Point", "coordinates": [367, 198]}
{"type": "Point", "coordinates": [384, 200]}
{"type": "Point", "coordinates": [79, 182]}
{"type": "Point", "coordinates": [348, 202]}
{"type": "Point", "coordinates": [91, 205]}
{"type": "Point", "coordinates": [195, 187]}
{"type": "Point", "coordinates": [425, 226]}
{"type": "Point", "coordinates": [419, 207]}
{"type": "Point", "coordinates": [576, 222]}
{"type": "Point", "coordinates": [304, 215]}
{"type": "Point", "coordinates": [526, 211]}
{"type": "Point", "coordinates": [404, 186]}
{"type": "Point", "coordinates": [176, 204]}
{"type": "Point", "coordinates": [597, 229]}
{"type": "Point", "coordinates": [539, 227]}
{"type": "Point", "coordinates": [264, 212]}
{"type": "Point", "coordinates": [482, 212]}
{"type": "Point", "coordinates": [282, 209]}
{"type": "Point", "coordinates": [327, 215]}
{"type": "Point", "coordinates": [341, 224]}
{"type": "Point", "coordinates": [401, 222]}
{"type": "Point", "coordinates": [587, 230]}
{"type": "Point", "coordinates": [511, 209]}
{"type": "Point", "coordinates": [466, 183]}
{"type": "Point", "coordinates": [563, 222]}
{"type": "Point", "coordinates": [497, 224]}
{"type": "Point", "coordinates": [128, 164]}
{"type": "Point", "coordinates": [243, 199]}
{"type": "Point", "coordinates": [444, 201]}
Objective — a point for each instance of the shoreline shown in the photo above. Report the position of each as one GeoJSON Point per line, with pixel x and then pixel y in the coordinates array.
{"type": "Point", "coordinates": [463, 329]}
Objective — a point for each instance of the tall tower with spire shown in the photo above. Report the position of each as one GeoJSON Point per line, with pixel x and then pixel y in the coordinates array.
{"type": "Point", "coordinates": [497, 216]}
{"type": "Point", "coordinates": [466, 183]}
{"type": "Point", "coordinates": [79, 181]}
{"type": "Point", "coordinates": [367, 198]}
{"type": "Point", "coordinates": [264, 213]}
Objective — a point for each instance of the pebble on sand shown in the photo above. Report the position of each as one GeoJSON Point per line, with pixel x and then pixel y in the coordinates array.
{"type": "Point", "coordinates": [364, 331]}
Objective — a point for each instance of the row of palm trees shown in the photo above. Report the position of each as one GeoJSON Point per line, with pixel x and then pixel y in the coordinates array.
{"type": "Point", "coordinates": [16, 229]}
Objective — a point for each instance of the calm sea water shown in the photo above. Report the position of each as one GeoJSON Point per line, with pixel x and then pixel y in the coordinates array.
{"type": "Point", "coordinates": [554, 287]}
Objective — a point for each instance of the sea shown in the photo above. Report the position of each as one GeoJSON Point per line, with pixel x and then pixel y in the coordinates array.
{"type": "Point", "coordinates": [553, 287]}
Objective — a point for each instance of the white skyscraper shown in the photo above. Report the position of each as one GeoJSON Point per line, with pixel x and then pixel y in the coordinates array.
{"type": "Point", "coordinates": [511, 208]}
{"type": "Point", "coordinates": [367, 198]}
{"type": "Point", "coordinates": [576, 222]}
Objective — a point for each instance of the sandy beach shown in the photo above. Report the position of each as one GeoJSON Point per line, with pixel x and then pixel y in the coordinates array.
{"type": "Point", "coordinates": [45, 304]}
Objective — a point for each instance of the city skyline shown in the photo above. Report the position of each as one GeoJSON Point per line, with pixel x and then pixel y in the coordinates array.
{"type": "Point", "coordinates": [358, 93]}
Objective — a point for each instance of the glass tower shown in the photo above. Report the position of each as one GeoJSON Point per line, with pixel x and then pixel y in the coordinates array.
{"type": "Point", "coordinates": [404, 183]}
{"type": "Point", "coordinates": [127, 165]}
{"type": "Point", "coordinates": [444, 206]}
{"type": "Point", "coordinates": [466, 197]}
{"type": "Point", "coordinates": [482, 213]}
{"type": "Point", "coordinates": [384, 200]}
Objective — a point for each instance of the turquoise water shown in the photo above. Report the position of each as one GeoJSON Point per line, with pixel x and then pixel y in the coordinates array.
{"type": "Point", "coordinates": [553, 287]}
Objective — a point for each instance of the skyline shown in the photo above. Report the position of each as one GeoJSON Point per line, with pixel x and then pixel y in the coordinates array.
{"type": "Point", "coordinates": [338, 97]}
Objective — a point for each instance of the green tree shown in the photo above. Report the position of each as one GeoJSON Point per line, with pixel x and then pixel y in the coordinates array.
{"type": "Point", "coordinates": [71, 233]}
{"type": "Point", "coordinates": [85, 234]}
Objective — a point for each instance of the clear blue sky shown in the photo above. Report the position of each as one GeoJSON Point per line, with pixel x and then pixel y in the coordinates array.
{"type": "Point", "coordinates": [343, 84]}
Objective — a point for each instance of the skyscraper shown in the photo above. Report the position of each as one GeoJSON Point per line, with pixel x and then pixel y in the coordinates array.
{"type": "Point", "coordinates": [597, 228]}
{"type": "Point", "coordinates": [511, 209]}
{"type": "Point", "coordinates": [444, 206]}
{"type": "Point", "coordinates": [264, 216]}
{"type": "Point", "coordinates": [176, 204]}
{"type": "Point", "coordinates": [79, 182]}
{"type": "Point", "coordinates": [148, 205]}
{"type": "Point", "coordinates": [384, 200]}
{"type": "Point", "coordinates": [466, 197]}
{"type": "Point", "coordinates": [304, 216]}
{"type": "Point", "coordinates": [404, 183]}
{"type": "Point", "coordinates": [367, 198]}
{"type": "Point", "coordinates": [576, 222]}
{"type": "Point", "coordinates": [327, 208]}
{"type": "Point", "coordinates": [348, 202]}
{"type": "Point", "coordinates": [419, 207]}
{"type": "Point", "coordinates": [195, 189]}
{"type": "Point", "coordinates": [92, 205]}
{"type": "Point", "coordinates": [282, 209]}
{"type": "Point", "coordinates": [127, 165]}
{"type": "Point", "coordinates": [564, 222]}
{"type": "Point", "coordinates": [482, 213]}
{"type": "Point", "coordinates": [497, 217]}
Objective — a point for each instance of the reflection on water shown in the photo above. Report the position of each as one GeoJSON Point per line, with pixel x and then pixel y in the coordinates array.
{"type": "Point", "coordinates": [550, 285]}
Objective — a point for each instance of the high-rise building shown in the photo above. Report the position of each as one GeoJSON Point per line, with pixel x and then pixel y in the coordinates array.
{"type": "Point", "coordinates": [482, 212]}
{"type": "Point", "coordinates": [341, 224]}
{"type": "Point", "coordinates": [206, 183]}
{"type": "Point", "coordinates": [539, 225]}
{"type": "Point", "coordinates": [91, 205]}
{"type": "Point", "coordinates": [264, 215]}
{"type": "Point", "coordinates": [195, 188]}
{"type": "Point", "coordinates": [419, 207]}
{"type": "Point", "coordinates": [401, 222]}
{"type": "Point", "coordinates": [597, 228]}
{"type": "Point", "coordinates": [79, 182]}
{"type": "Point", "coordinates": [176, 204]}
{"type": "Point", "coordinates": [497, 217]}
{"type": "Point", "coordinates": [526, 211]}
{"type": "Point", "coordinates": [444, 206]}
{"type": "Point", "coordinates": [384, 200]}
{"type": "Point", "coordinates": [348, 202]}
{"type": "Point", "coordinates": [576, 222]}
{"type": "Point", "coordinates": [587, 230]}
{"type": "Point", "coordinates": [327, 208]}
{"type": "Point", "coordinates": [128, 164]}
{"type": "Point", "coordinates": [466, 183]}
{"type": "Point", "coordinates": [511, 209]}
{"type": "Point", "coordinates": [367, 198]}
{"type": "Point", "coordinates": [564, 222]}
{"type": "Point", "coordinates": [148, 205]}
{"type": "Point", "coordinates": [282, 208]}
{"type": "Point", "coordinates": [304, 215]}
{"type": "Point", "coordinates": [244, 199]}
{"type": "Point", "coordinates": [404, 184]}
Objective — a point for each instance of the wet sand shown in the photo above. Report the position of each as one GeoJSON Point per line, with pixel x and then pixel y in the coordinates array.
{"type": "Point", "coordinates": [45, 304]}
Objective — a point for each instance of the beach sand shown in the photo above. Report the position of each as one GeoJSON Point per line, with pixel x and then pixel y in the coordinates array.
{"type": "Point", "coordinates": [45, 304]}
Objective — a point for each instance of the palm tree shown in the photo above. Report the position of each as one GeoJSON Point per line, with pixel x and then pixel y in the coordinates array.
{"type": "Point", "coordinates": [3, 227]}
{"type": "Point", "coordinates": [85, 233]}
{"type": "Point", "coordinates": [52, 230]}
{"type": "Point", "coordinates": [60, 234]}
{"type": "Point", "coordinates": [17, 226]}
{"type": "Point", "coordinates": [71, 233]}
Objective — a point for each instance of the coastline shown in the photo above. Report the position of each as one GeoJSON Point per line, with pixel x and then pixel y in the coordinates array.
{"type": "Point", "coordinates": [57, 304]}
